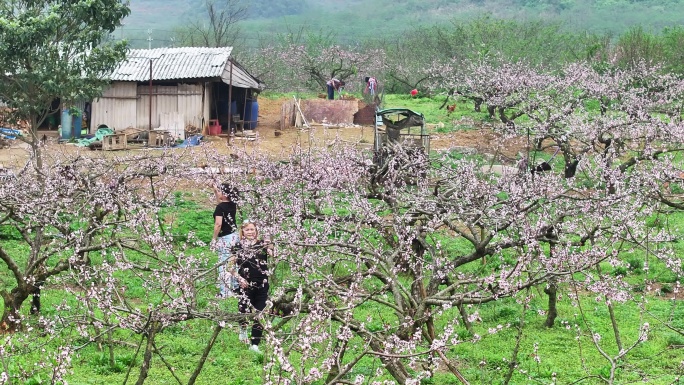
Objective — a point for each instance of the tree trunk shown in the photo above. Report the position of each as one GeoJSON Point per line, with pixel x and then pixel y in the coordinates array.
{"type": "Point", "coordinates": [205, 354]}
{"type": "Point", "coordinates": [35, 300]}
{"type": "Point", "coordinates": [393, 365]}
{"type": "Point", "coordinates": [604, 106]}
{"type": "Point", "coordinates": [478, 104]}
{"type": "Point", "coordinates": [335, 370]}
{"type": "Point", "coordinates": [147, 356]}
{"type": "Point", "coordinates": [464, 317]}
{"type": "Point", "coordinates": [551, 291]}
{"type": "Point", "coordinates": [11, 319]}
{"type": "Point", "coordinates": [502, 116]}
{"type": "Point", "coordinates": [513, 362]}
{"type": "Point", "coordinates": [492, 111]}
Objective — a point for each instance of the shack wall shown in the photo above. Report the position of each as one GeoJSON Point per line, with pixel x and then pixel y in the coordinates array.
{"type": "Point", "coordinates": [116, 107]}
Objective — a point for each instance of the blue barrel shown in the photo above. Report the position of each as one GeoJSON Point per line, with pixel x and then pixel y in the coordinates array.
{"type": "Point", "coordinates": [251, 114]}
{"type": "Point", "coordinates": [67, 125]}
{"type": "Point", "coordinates": [77, 124]}
{"type": "Point", "coordinates": [71, 124]}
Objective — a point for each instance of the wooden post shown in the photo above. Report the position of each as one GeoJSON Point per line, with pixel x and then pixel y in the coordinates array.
{"type": "Point", "coordinates": [230, 96]}
{"type": "Point", "coordinates": [149, 128]}
{"type": "Point", "coordinates": [202, 121]}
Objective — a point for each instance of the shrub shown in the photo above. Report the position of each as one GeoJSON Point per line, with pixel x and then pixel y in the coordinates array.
{"type": "Point", "coordinates": [636, 264]}
{"type": "Point", "coordinates": [674, 340]}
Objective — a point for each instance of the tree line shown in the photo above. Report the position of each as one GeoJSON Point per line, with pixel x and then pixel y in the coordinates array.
{"type": "Point", "coordinates": [303, 60]}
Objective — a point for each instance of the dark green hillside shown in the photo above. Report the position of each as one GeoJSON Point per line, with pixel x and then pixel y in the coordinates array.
{"type": "Point", "coordinates": [355, 20]}
{"type": "Point", "coordinates": [275, 9]}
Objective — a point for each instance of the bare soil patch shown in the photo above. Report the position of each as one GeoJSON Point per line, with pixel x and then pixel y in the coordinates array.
{"type": "Point", "coordinates": [482, 140]}
{"type": "Point", "coordinates": [278, 143]}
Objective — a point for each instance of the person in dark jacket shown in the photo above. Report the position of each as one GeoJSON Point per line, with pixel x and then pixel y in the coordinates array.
{"type": "Point", "coordinates": [334, 85]}
{"type": "Point", "coordinates": [251, 259]}
{"type": "Point", "coordinates": [225, 235]}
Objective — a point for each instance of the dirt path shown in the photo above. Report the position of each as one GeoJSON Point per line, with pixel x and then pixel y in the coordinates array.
{"type": "Point", "coordinates": [482, 140]}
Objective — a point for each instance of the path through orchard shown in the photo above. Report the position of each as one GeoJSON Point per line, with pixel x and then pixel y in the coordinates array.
{"type": "Point", "coordinates": [481, 140]}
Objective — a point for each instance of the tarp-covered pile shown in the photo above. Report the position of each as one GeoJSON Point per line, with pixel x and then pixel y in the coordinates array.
{"type": "Point", "coordinates": [99, 135]}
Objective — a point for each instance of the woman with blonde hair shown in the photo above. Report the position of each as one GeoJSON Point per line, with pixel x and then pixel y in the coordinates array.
{"type": "Point", "coordinates": [251, 260]}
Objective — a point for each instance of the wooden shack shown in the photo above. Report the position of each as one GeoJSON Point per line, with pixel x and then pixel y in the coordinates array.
{"type": "Point", "coordinates": [174, 88]}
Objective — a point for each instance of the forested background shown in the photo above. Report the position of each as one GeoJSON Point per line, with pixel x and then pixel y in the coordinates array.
{"type": "Point", "coordinates": [404, 43]}
{"type": "Point", "coordinates": [354, 20]}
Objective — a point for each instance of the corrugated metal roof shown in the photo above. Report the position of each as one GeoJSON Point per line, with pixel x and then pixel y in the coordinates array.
{"type": "Point", "coordinates": [183, 63]}
{"type": "Point", "coordinates": [173, 63]}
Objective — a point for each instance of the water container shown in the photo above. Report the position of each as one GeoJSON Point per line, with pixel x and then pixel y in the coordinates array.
{"type": "Point", "coordinates": [77, 123]}
{"type": "Point", "coordinates": [71, 125]}
{"type": "Point", "coordinates": [67, 125]}
{"type": "Point", "coordinates": [251, 114]}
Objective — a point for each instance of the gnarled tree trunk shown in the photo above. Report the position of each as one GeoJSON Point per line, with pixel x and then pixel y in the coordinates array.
{"type": "Point", "coordinates": [13, 300]}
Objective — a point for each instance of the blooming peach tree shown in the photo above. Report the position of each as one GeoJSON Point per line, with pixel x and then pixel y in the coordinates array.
{"type": "Point", "coordinates": [380, 265]}
{"type": "Point", "coordinates": [308, 62]}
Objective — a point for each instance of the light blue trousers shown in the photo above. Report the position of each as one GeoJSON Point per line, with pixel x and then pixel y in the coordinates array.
{"type": "Point", "coordinates": [227, 281]}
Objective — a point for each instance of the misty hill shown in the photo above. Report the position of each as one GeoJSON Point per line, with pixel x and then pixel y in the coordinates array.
{"type": "Point", "coordinates": [357, 20]}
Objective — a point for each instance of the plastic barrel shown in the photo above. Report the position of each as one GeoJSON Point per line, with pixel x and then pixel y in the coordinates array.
{"type": "Point", "coordinates": [77, 123]}
{"type": "Point", "coordinates": [67, 125]}
{"type": "Point", "coordinates": [251, 114]}
{"type": "Point", "coordinates": [71, 125]}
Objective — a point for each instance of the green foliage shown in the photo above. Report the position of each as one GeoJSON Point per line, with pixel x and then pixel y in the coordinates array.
{"type": "Point", "coordinates": [636, 45]}
{"type": "Point", "coordinates": [620, 271]}
{"type": "Point", "coordinates": [188, 220]}
{"type": "Point", "coordinates": [667, 276]}
{"type": "Point", "coordinates": [51, 49]}
{"type": "Point", "coordinates": [102, 366]}
{"type": "Point", "coordinates": [636, 264]}
{"type": "Point", "coordinates": [673, 48]}
{"type": "Point", "coordinates": [9, 233]}
{"type": "Point", "coordinates": [674, 340]}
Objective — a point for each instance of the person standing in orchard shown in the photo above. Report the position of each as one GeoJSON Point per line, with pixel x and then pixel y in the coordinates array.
{"type": "Point", "coordinates": [251, 257]}
{"type": "Point", "coordinates": [371, 85]}
{"type": "Point", "coordinates": [225, 235]}
{"type": "Point", "coordinates": [334, 85]}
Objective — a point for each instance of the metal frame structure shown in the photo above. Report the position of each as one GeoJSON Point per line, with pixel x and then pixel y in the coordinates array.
{"type": "Point", "coordinates": [402, 126]}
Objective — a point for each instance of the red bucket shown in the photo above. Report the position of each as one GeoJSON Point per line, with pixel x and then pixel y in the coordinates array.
{"type": "Point", "coordinates": [214, 127]}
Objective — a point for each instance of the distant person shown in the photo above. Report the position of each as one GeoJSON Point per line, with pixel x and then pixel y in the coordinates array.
{"type": "Point", "coordinates": [334, 85]}
{"type": "Point", "coordinates": [251, 258]}
{"type": "Point", "coordinates": [371, 86]}
{"type": "Point", "coordinates": [225, 235]}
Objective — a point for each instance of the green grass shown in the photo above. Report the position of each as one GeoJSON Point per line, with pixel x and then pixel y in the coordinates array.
{"type": "Point", "coordinates": [438, 120]}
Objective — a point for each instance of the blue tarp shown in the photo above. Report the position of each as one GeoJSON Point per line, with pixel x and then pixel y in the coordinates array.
{"type": "Point", "coordinates": [9, 133]}
{"type": "Point", "coordinates": [194, 140]}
